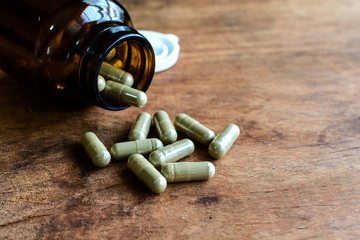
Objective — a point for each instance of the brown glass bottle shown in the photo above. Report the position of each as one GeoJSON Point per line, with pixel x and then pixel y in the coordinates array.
{"type": "Point", "coordinates": [59, 45]}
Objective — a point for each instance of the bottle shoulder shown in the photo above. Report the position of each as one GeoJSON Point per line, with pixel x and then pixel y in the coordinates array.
{"type": "Point", "coordinates": [67, 27]}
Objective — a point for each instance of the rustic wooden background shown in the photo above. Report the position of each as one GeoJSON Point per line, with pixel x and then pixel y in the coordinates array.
{"type": "Point", "coordinates": [287, 72]}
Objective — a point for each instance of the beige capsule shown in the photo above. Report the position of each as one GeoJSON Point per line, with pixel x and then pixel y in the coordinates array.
{"type": "Point", "coordinates": [110, 55]}
{"type": "Point", "coordinates": [223, 142]}
{"type": "Point", "coordinates": [123, 93]}
{"type": "Point", "coordinates": [101, 83]}
{"type": "Point", "coordinates": [193, 129]}
{"type": "Point", "coordinates": [96, 150]}
{"type": "Point", "coordinates": [110, 72]}
{"type": "Point", "coordinates": [147, 173]}
{"type": "Point", "coordinates": [164, 127]}
{"type": "Point", "coordinates": [188, 171]}
{"type": "Point", "coordinates": [140, 127]}
{"type": "Point", "coordinates": [117, 63]}
{"type": "Point", "coordinates": [123, 150]}
{"type": "Point", "coordinates": [171, 153]}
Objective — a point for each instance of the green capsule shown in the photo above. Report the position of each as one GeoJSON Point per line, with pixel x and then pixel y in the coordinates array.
{"type": "Point", "coordinates": [122, 93]}
{"type": "Point", "coordinates": [101, 83]}
{"type": "Point", "coordinates": [172, 152]}
{"type": "Point", "coordinates": [164, 127]}
{"type": "Point", "coordinates": [116, 74]}
{"type": "Point", "coordinates": [123, 150]}
{"type": "Point", "coordinates": [117, 63]}
{"type": "Point", "coordinates": [140, 127]}
{"type": "Point", "coordinates": [96, 150]}
{"type": "Point", "coordinates": [193, 129]}
{"type": "Point", "coordinates": [110, 55]}
{"type": "Point", "coordinates": [188, 171]}
{"type": "Point", "coordinates": [147, 173]}
{"type": "Point", "coordinates": [223, 142]}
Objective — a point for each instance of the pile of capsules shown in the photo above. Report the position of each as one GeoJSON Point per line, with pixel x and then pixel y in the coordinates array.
{"type": "Point", "coordinates": [162, 166]}
{"type": "Point", "coordinates": [117, 86]}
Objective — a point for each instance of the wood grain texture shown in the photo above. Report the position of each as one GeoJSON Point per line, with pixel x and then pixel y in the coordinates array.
{"type": "Point", "coordinates": [286, 72]}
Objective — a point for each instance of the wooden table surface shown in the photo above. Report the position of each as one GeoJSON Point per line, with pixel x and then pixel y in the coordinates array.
{"type": "Point", "coordinates": [286, 72]}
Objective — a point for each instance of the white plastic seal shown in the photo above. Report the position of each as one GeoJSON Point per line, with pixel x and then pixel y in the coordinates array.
{"type": "Point", "coordinates": [166, 48]}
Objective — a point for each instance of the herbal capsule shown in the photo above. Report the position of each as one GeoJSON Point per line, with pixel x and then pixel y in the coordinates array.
{"type": "Point", "coordinates": [164, 127]}
{"type": "Point", "coordinates": [223, 142]}
{"type": "Point", "coordinates": [123, 150]}
{"type": "Point", "coordinates": [117, 63]}
{"type": "Point", "coordinates": [118, 75]}
{"type": "Point", "coordinates": [122, 93]}
{"type": "Point", "coordinates": [140, 127]}
{"type": "Point", "coordinates": [188, 171]}
{"type": "Point", "coordinates": [101, 83]}
{"type": "Point", "coordinates": [96, 150]}
{"type": "Point", "coordinates": [147, 173]}
{"type": "Point", "coordinates": [193, 129]}
{"type": "Point", "coordinates": [110, 55]}
{"type": "Point", "coordinates": [171, 153]}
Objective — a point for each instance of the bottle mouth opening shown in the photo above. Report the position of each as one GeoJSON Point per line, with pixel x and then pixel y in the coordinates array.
{"type": "Point", "coordinates": [121, 48]}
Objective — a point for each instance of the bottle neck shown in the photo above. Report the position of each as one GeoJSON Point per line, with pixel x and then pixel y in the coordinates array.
{"type": "Point", "coordinates": [132, 49]}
